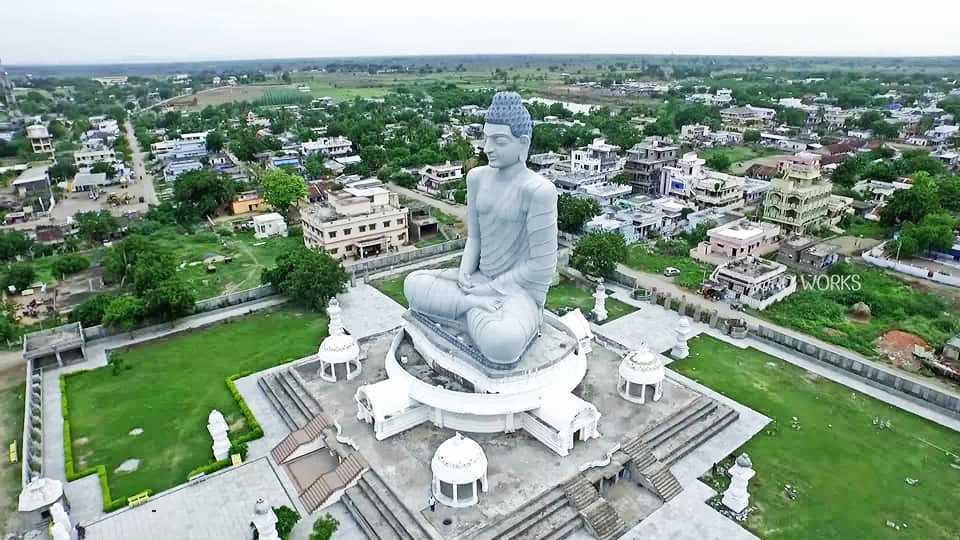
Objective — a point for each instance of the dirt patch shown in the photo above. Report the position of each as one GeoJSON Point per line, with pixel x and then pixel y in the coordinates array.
{"type": "Point", "coordinates": [128, 466]}
{"type": "Point", "coordinates": [81, 441]}
{"type": "Point", "coordinates": [136, 432]}
{"type": "Point", "coordinates": [897, 346]}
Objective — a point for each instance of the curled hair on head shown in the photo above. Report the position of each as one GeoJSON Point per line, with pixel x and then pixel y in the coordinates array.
{"type": "Point", "coordinates": [507, 109]}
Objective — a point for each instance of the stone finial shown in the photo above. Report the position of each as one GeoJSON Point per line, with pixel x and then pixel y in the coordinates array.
{"type": "Point", "coordinates": [265, 521]}
{"type": "Point", "coordinates": [736, 497]}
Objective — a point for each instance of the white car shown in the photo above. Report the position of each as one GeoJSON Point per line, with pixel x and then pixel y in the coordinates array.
{"type": "Point", "coordinates": [671, 271]}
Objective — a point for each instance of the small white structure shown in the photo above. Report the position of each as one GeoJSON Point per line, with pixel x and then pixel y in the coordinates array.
{"type": "Point", "coordinates": [641, 376]}
{"type": "Point", "coordinates": [217, 426]}
{"type": "Point", "coordinates": [600, 307]}
{"type": "Point", "coordinates": [265, 521]}
{"type": "Point", "coordinates": [40, 495]}
{"type": "Point", "coordinates": [59, 532]}
{"type": "Point", "coordinates": [736, 497]}
{"type": "Point", "coordinates": [61, 520]}
{"type": "Point", "coordinates": [267, 225]}
{"type": "Point", "coordinates": [580, 326]}
{"type": "Point", "coordinates": [459, 472]}
{"type": "Point", "coordinates": [680, 349]}
{"type": "Point", "coordinates": [339, 354]}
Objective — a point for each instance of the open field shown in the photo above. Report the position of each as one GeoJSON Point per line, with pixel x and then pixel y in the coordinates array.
{"type": "Point", "coordinates": [250, 258]}
{"type": "Point", "coordinates": [568, 295]}
{"type": "Point", "coordinates": [648, 259]}
{"type": "Point", "coordinates": [226, 94]}
{"type": "Point", "coordinates": [12, 390]}
{"type": "Point", "coordinates": [850, 473]}
{"type": "Point", "coordinates": [894, 304]}
{"type": "Point", "coordinates": [168, 387]}
{"type": "Point", "coordinates": [739, 154]}
{"type": "Point", "coordinates": [857, 226]}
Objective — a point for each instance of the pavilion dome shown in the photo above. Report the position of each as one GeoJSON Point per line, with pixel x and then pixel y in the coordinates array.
{"type": "Point", "coordinates": [40, 493]}
{"type": "Point", "coordinates": [459, 460]}
{"type": "Point", "coordinates": [338, 349]}
{"type": "Point", "coordinates": [642, 366]}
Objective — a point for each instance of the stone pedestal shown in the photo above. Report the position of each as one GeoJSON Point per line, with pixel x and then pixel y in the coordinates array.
{"type": "Point", "coordinates": [60, 518]}
{"type": "Point", "coordinates": [680, 349]}
{"type": "Point", "coordinates": [599, 307]}
{"type": "Point", "coordinates": [265, 521]}
{"type": "Point", "coordinates": [217, 427]}
{"type": "Point", "coordinates": [736, 497]}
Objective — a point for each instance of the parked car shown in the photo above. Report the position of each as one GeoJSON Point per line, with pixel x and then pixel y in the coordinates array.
{"type": "Point", "coordinates": [671, 271]}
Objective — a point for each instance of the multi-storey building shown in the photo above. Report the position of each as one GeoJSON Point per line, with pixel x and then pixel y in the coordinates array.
{"type": "Point", "coordinates": [690, 181]}
{"type": "Point", "coordinates": [356, 223]}
{"type": "Point", "coordinates": [645, 163]}
{"type": "Point", "coordinates": [598, 156]}
{"type": "Point", "coordinates": [799, 197]}
{"type": "Point", "coordinates": [328, 146]}
{"type": "Point", "coordinates": [747, 116]}
{"type": "Point", "coordinates": [87, 158]}
{"type": "Point", "coordinates": [40, 139]}
{"type": "Point", "coordinates": [437, 178]}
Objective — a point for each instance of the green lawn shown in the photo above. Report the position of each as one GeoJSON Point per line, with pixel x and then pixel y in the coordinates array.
{"type": "Point", "coordinates": [857, 226]}
{"type": "Point", "coordinates": [739, 153]}
{"type": "Point", "coordinates": [168, 387]}
{"type": "Point", "coordinates": [12, 403]}
{"type": "Point", "coordinates": [849, 473]}
{"type": "Point", "coordinates": [569, 295]}
{"type": "Point", "coordinates": [393, 287]}
{"type": "Point", "coordinates": [250, 258]}
{"type": "Point", "coordinates": [895, 305]}
{"type": "Point", "coordinates": [645, 259]}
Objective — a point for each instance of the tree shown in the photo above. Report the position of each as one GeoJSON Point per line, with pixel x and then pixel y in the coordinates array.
{"type": "Point", "coordinates": [719, 161]}
{"type": "Point", "coordinates": [910, 205]}
{"type": "Point", "coordinates": [597, 254]}
{"type": "Point", "coordinates": [933, 233]}
{"type": "Point", "coordinates": [751, 136]}
{"type": "Point", "coordinates": [151, 269]}
{"type": "Point", "coordinates": [573, 212]}
{"type": "Point", "coordinates": [171, 299]}
{"type": "Point", "coordinates": [306, 276]}
{"type": "Point", "coordinates": [283, 189]}
{"type": "Point", "coordinates": [215, 141]}
{"type": "Point", "coordinates": [96, 226]}
{"type": "Point", "coordinates": [69, 264]}
{"type": "Point", "coordinates": [200, 193]}
{"type": "Point", "coordinates": [948, 190]}
{"type": "Point", "coordinates": [121, 258]}
{"type": "Point", "coordinates": [8, 323]}
{"type": "Point", "coordinates": [62, 171]}
{"type": "Point", "coordinates": [287, 519]}
{"type": "Point", "coordinates": [792, 117]}
{"type": "Point", "coordinates": [324, 527]}
{"type": "Point", "coordinates": [13, 244]}
{"type": "Point", "coordinates": [104, 167]}
{"type": "Point", "coordinates": [315, 166]}
{"type": "Point", "coordinates": [20, 276]}
{"type": "Point", "coordinates": [91, 311]}
{"type": "Point", "coordinates": [123, 313]}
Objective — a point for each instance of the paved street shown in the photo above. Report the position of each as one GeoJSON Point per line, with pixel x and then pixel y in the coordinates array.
{"type": "Point", "coordinates": [139, 168]}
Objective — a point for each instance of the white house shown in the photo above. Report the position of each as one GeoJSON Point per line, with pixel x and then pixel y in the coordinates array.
{"type": "Point", "coordinates": [267, 225]}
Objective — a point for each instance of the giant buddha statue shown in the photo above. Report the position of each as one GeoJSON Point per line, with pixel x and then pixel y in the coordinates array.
{"type": "Point", "coordinates": [498, 293]}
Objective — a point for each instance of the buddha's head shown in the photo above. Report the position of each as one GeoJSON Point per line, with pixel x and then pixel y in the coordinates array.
{"type": "Point", "coordinates": [507, 131]}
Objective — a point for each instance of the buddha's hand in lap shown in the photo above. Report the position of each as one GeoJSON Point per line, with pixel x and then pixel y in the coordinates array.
{"type": "Point", "coordinates": [464, 280]}
{"type": "Point", "coordinates": [487, 303]}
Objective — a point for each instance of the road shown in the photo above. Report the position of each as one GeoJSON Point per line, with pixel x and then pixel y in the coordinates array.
{"type": "Point", "coordinates": [457, 210]}
{"type": "Point", "coordinates": [139, 168]}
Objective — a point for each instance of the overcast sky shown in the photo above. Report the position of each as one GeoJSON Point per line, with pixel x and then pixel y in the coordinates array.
{"type": "Point", "coordinates": [94, 31]}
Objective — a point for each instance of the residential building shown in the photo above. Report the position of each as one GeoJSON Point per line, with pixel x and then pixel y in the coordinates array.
{"type": "Point", "coordinates": [40, 139]}
{"type": "Point", "coordinates": [603, 193]}
{"type": "Point", "coordinates": [90, 182]}
{"type": "Point", "coordinates": [645, 163]}
{"type": "Point", "coordinates": [437, 178]}
{"type": "Point", "coordinates": [267, 225]}
{"type": "Point", "coordinates": [725, 138]}
{"type": "Point", "coordinates": [799, 197]}
{"type": "Point", "coordinates": [356, 223]}
{"type": "Point", "coordinates": [540, 162]}
{"type": "Point", "coordinates": [741, 238]}
{"type": "Point", "coordinates": [334, 147]}
{"type": "Point", "coordinates": [608, 223]}
{"type": "Point", "coordinates": [571, 182]}
{"type": "Point", "coordinates": [747, 116]}
{"type": "Point", "coordinates": [694, 132]}
{"type": "Point", "coordinates": [175, 168]}
{"type": "Point", "coordinates": [33, 180]}
{"type": "Point", "coordinates": [754, 191]}
{"type": "Point", "coordinates": [179, 149]}
{"type": "Point", "coordinates": [651, 217]}
{"type": "Point", "coordinates": [689, 180]}
{"type": "Point", "coordinates": [757, 283]}
{"type": "Point", "coordinates": [246, 202]}
{"type": "Point", "coordinates": [87, 159]}
{"type": "Point", "coordinates": [598, 156]}
{"type": "Point", "coordinates": [950, 159]}
{"type": "Point", "coordinates": [807, 254]}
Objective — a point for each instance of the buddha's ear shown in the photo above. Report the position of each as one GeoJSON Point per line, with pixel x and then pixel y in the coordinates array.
{"type": "Point", "coordinates": [525, 140]}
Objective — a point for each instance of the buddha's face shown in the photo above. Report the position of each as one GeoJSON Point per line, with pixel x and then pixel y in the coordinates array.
{"type": "Point", "coordinates": [502, 148]}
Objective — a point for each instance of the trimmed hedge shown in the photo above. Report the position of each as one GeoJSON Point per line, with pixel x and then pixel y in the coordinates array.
{"type": "Point", "coordinates": [210, 468]}
{"type": "Point", "coordinates": [254, 430]}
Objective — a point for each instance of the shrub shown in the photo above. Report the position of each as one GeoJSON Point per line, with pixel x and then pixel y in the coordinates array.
{"type": "Point", "coordinates": [287, 519]}
{"type": "Point", "coordinates": [210, 468]}
{"type": "Point", "coordinates": [239, 448]}
{"type": "Point", "coordinates": [69, 264]}
{"type": "Point", "coordinates": [324, 528]}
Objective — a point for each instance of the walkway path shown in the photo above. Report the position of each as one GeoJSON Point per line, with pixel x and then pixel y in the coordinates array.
{"type": "Point", "coordinates": [84, 494]}
{"type": "Point", "coordinates": [139, 168]}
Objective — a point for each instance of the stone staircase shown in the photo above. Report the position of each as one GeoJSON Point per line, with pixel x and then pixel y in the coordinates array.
{"type": "Point", "coordinates": [379, 512]}
{"type": "Point", "coordinates": [286, 393]}
{"type": "Point", "coordinates": [598, 515]}
{"type": "Point", "coordinates": [315, 496]}
{"type": "Point", "coordinates": [549, 515]}
{"type": "Point", "coordinates": [310, 432]}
